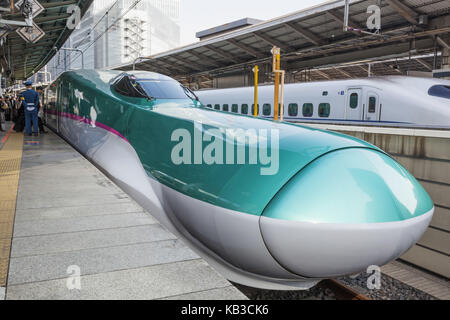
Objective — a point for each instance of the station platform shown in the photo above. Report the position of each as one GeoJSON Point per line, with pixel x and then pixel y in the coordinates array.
{"type": "Point", "coordinates": [60, 217]}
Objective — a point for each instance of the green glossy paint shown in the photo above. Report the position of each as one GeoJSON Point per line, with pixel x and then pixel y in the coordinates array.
{"type": "Point", "coordinates": [351, 186]}
{"type": "Point", "coordinates": [149, 125]}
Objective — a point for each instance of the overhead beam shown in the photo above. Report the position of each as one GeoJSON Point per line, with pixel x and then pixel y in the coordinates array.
{"type": "Point", "coordinates": [371, 73]}
{"type": "Point", "coordinates": [366, 53]}
{"type": "Point", "coordinates": [273, 42]}
{"type": "Point", "coordinates": [223, 53]}
{"type": "Point", "coordinates": [190, 65]}
{"type": "Point", "coordinates": [51, 18]}
{"type": "Point", "coordinates": [308, 35]}
{"type": "Point", "coordinates": [246, 48]}
{"type": "Point", "coordinates": [174, 66]}
{"type": "Point", "coordinates": [443, 43]}
{"type": "Point", "coordinates": [351, 46]}
{"type": "Point", "coordinates": [323, 74]}
{"type": "Point", "coordinates": [425, 64]}
{"type": "Point", "coordinates": [59, 4]}
{"type": "Point", "coordinates": [204, 58]}
{"type": "Point", "coordinates": [345, 73]}
{"type": "Point", "coordinates": [340, 20]}
{"type": "Point", "coordinates": [407, 13]}
{"type": "Point", "coordinates": [146, 64]}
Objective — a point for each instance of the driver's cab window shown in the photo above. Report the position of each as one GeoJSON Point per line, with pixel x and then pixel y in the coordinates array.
{"type": "Point", "coordinates": [152, 88]}
{"type": "Point", "coordinates": [126, 87]}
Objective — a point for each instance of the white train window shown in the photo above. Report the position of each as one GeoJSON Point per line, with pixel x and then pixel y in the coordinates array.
{"type": "Point", "coordinates": [324, 110]}
{"type": "Point", "coordinates": [293, 110]}
{"type": "Point", "coordinates": [226, 107]}
{"type": "Point", "coordinates": [372, 104]}
{"type": "Point", "coordinates": [209, 106]}
{"type": "Point", "coordinates": [308, 110]}
{"type": "Point", "coordinates": [354, 100]}
{"type": "Point", "coordinates": [217, 106]}
{"type": "Point", "coordinates": [235, 108]}
{"type": "Point", "coordinates": [244, 109]}
{"type": "Point", "coordinates": [267, 109]}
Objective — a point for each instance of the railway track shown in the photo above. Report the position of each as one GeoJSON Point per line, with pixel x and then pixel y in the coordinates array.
{"type": "Point", "coordinates": [343, 292]}
{"type": "Point", "coordinates": [325, 290]}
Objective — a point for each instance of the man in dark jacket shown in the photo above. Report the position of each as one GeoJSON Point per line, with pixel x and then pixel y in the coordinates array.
{"type": "Point", "coordinates": [30, 102]}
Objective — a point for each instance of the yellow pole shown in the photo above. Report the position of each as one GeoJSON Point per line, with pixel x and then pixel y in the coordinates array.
{"type": "Point", "coordinates": [276, 67]}
{"type": "Point", "coordinates": [256, 71]}
{"type": "Point", "coordinates": [282, 95]}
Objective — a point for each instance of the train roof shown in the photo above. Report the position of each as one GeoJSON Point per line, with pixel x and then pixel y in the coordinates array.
{"type": "Point", "coordinates": [147, 75]}
{"type": "Point", "coordinates": [108, 75]}
{"type": "Point", "coordinates": [393, 80]}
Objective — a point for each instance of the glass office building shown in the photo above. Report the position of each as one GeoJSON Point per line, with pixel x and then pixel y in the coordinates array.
{"type": "Point", "coordinates": [134, 31]}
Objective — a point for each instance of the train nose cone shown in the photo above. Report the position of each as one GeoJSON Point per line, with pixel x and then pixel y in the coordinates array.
{"type": "Point", "coordinates": [345, 211]}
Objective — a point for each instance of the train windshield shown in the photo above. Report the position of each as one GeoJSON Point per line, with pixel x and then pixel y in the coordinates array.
{"type": "Point", "coordinates": [163, 89]}
{"type": "Point", "coordinates": [440, 91]}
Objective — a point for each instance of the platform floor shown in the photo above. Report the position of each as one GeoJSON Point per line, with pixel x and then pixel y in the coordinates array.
{"type": "Point", "coordinates": [436, 287]}
{"type": "Point", "coordinates": [69, 217]}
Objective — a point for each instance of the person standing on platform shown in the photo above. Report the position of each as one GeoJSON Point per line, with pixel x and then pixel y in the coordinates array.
{"type": "Point", "coordinates": [31, 105]}
{"type": "Point", "coordinates": [40, 90]}
{"type": "Point", "coordinates": [3, 108]}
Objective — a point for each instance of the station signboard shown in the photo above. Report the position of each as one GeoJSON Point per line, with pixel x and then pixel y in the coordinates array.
{"type": "Point", "coordinates": [31, 34]}
{"type": "Point", "coordinates": [37, 7]}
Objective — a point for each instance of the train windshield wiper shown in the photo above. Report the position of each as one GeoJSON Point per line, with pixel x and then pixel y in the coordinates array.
{"type": "Point", "coordinates": [142, 91]}
{"type": "Point", "coordinates": [190, 93]}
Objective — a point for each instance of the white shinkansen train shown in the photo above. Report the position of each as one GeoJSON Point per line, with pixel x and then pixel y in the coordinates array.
{"type": "Point", "coordinates": [394, 101]}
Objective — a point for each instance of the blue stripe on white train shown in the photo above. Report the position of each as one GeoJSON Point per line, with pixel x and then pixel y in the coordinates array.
{"type": "Point", "coordinates": [384, 101]}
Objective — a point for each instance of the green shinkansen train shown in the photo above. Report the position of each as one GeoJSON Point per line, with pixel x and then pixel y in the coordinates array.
{"type": "Point", "coordinates": [268, 204]}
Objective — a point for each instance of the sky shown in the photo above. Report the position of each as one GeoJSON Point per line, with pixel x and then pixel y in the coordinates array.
{"type": "Point", "coordinates": [198, 15]}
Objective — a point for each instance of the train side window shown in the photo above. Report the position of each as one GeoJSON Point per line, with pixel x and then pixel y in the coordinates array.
{"type": "Point", "coordinates": [209, 106]}
{"type": "Point", "coordinates": [235, 108]}
{"type": "Point", "coordinates": [325, 93]}
{"type": "Point", "coordinates": [253, 109]}
{"type": "Point", "coordinates": [308, 110]}
{"type": "Point", "coordinates": [267, 109]}
{"type": "Point", "coordinates": [244, 109]}
{"type": "Point", "coordinates": [293, 110]}
{"type": "Point", "coordinates": [354, 98]}
{"type": "Point", "coordinates": [226, 107]}
{"type": "Point", "coordinates": [217, 106]}
{"type": "Point", "coordinates": [372, 104]}
{"type": "Point", "coordinates": [324, 110]}
{"type": "Point", "coordinates": [440, 91]}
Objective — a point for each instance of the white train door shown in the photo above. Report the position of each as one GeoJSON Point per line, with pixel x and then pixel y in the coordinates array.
{"type": "Point", "coordinates": [372, 106]}
{"type": "Point", "coordinates": [354, 107]}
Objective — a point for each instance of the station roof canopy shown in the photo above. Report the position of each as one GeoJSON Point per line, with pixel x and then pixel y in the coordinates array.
{"type": "Point", "coordinates": [226, 28]}
{"type": "Point", "coordinates": [27, 58]}
{"type": "Point", "coordinates": [310, 38]}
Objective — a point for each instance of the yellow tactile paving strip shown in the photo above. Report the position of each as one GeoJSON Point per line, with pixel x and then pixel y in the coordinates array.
{"type": "Point", "coordinates": [10, 161]}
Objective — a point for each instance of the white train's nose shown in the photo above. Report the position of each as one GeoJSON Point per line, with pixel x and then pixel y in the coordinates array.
{"type": "Point", "coordinates": [347, 210]}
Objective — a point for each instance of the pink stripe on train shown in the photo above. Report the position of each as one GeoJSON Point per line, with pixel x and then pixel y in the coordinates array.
{"type": "Point", "coordinates": [87, 121]}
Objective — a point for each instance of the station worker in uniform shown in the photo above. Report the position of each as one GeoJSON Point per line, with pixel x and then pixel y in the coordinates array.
{"type": "Point", "coordinates": [30, 101]}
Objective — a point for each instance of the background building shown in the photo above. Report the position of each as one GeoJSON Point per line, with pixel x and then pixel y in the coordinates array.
{"type": "Point", "coordinates": [136, 28]}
